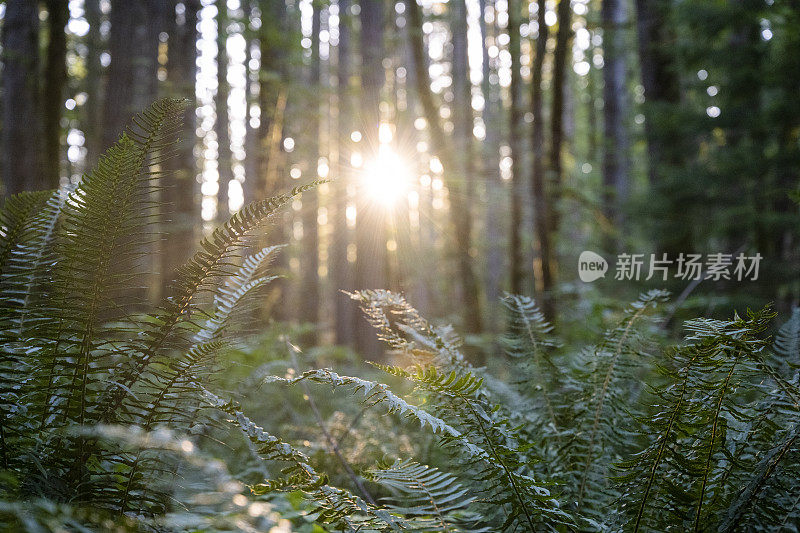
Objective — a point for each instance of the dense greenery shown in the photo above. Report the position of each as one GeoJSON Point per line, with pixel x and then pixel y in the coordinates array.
{"type": "Point", "coordinates": [110, 413]}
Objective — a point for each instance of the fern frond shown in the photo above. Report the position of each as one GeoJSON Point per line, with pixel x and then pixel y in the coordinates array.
{"type": "Point", "coordinates": [529, 343]}
{"type": "Point", "coordinates": [434, 499]}
{"type": "Point", "coordinates": [502, 465]}
{"type": "Point", "coordinates": [607, 383]}
{"type": "Point", "coordinates": [490, 448]}
{"type": "Point", "coordinates": [15, 216]}
{"type": "Point", "coordinates": [332, 505]}
{"type": "Point", "coordinates": [683, 475]}
{"type": "Point", "coordinates": [106, 224]}
{"type": "Point", "coordinates": [765, 501]}
{"type": "Point", "coordinates": [213, 261]}
{"type": "Point", "coordinates": [401, 327]}
{"type": "Point", "coordinates": [27, 278]}
{"type": "Point", "coordinates": [237, 287]}
{"type": "Point", "coordinates": [374, 393]}
{"type": "Point", "coordinates": [787, 345]}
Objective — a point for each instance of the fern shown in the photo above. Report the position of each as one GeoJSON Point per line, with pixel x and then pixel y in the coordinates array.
{"type": "Point", "coordinates": [377, 394]}
{"type": "Point", "coordinates": [332, 505]}
{"type": "Point", "coordinates": [452, 388]}
{"type": "Point", "coordinates": [435, 499]}
{"type": "Point", "coordinates": [15, 217]}
{"type": "Point", "coordinates": [73, 354]}
{"type": "Point", "coordinates": [97, 395]}
{"type": "Point", "coordinates": [786, 349]}
{"type": "Point", "coordinates": [685, 471]}
{"type": "Point", "coordinates": [606, 383]}
{"type": "Point", "coordinates": [538, 379]}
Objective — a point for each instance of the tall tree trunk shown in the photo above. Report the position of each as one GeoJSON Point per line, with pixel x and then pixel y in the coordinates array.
{"type": "Point", "coordinates": [463, 121]}
{"type": "Point", "coordinates": [274, 47]}
{"type": "Point", "coordinates": [55, 80]}
{"type": "Point", "coordinates": [659, 79]}
{"type": "Point", "coordinates": [370, 219]}
{"type": "Point", "coordinates": [542, 203]}
{"type": "Point", "coordinates": [20, 140]}
{"type": "Point", "coordinates": [222, 124]}
{"type": "Point", "coordinates": [459, 215]}
{"type": "Point", "coordinates": [132, 75]}
{"type": "Point", "coordinates": [341, 275]}
{"type": "Point", "coordinates": [515, 137]}
{"type": "Point", "coordinates": [181, 193]}
{"type": "Point", "coordinates": [616, 157]}
{"type": "Point", "coordinates": [250, 186]}
{"type": "Point", "coordinates": [94, 82]}
{"type": "Point", "coordinates": [560, 56]}
{"type": "Point", "coordinates": [309, 290]}
{"type": "Point", "coordinates": [494, 184]}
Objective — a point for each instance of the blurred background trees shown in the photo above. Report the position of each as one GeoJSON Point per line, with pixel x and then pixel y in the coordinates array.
{"type": "Point", "coordinates": [474, 146]}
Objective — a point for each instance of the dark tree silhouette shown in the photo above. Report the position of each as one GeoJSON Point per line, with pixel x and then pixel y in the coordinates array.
{"type": "Point", "coordinates": [20, 141]}
{"type": "Point", "coordinates": [53, 88]}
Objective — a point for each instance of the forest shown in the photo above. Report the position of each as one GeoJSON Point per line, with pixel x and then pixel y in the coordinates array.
{"type": "Point", "coordinates": [399, 265]}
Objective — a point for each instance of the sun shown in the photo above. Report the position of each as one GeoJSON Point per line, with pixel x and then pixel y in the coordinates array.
{"type": "Point", "coordinates": [386, 178]}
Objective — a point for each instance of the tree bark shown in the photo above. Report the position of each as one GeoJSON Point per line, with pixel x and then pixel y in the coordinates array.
{"type": "Point", "coordinates": [309, 286]}
{"type": "Point", "coordinates": [542, 203]}
{"type": "Point", "coordinates": [20, 137]}
{"type": "Point", "coordinates": [371, 262]}
{"type": "Point", "coordinates": [93, 82]}
{"type": "Point", "coordinates": [515, 137]}
{"type": "Point", "coordinates": [222, 124]}
{"type": "Point", "coordinates": [616, 156]}
{"type": "Point", "coordinates": [132, 87]}
{"type": "Point", "coordinates": [560, 55]}
{"type": "Point", "coordinates": [659, 79]}
{"type": "Point", "coordinates": [459, 215]}
{"type": "Point", "coordinates": [249, 188]}
{"type": "Point", "coordinates": [272, 80]}
{"type": "Point", "coordinates": [495, 236]}
{"type": "Point", "coordinates": [55, 81]}
{"type": "Point", "coordinates": [340, 268]}
{"type": "Point", "coordinates": [181, 193]}
{"type": "Point", "coordinates": [132, 75]}
{"type": "Point", "coordinates": [463, 120]}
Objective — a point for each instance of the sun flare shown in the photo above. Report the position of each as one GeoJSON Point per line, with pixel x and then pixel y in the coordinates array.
{"type": "Point", "coordinates": [386, 177]}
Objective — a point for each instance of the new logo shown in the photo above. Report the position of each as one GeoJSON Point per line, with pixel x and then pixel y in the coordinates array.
{"type": "Point", "coordinates": [591, 266]}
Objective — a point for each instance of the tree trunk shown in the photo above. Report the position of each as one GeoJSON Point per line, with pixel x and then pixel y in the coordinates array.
{"type": "Point", "coordinates": [94, 82]}
{"type": "Point", "coordinates": [463, 121]}
{"type": "Point", "coordinates": [221, 125]}
{"type": "Point", "coordinates": [459, 215]}
{"type": "Point", "coordinates": [309, 289]}
{"type": "Point", "coordinates": [370, 219]}
{"type": "Point", "coordinates": [55, 80]}
{"type": "Point", "coordinates": [181, 193]}
{"type": "Point", "coordinates": [250, 186]}
{"type": "Point", "coordinates": [132, 75]}
{"type": "Point", "coordinates": [515, 136]}
{"type": "Point", "coordinates": [274, 47]}
{"type": "Point", "coordinates": [494, 184]}
{"type": "Point", "coordinates": [659, 78]}
{"type": "Point", "coordinates": [341, 275]}
{"type": "Point", "coordinates": [20, 141]}
{"type": "Point", "coordinates": [542, 203]}
{"type": "Point", "coordinates": [616, 157]}
{"type": "Point", "coordinates": [562, 52]}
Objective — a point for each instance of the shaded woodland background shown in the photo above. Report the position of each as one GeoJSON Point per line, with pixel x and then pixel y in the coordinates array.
{"type": "Point", "coordinates": [474, 146]}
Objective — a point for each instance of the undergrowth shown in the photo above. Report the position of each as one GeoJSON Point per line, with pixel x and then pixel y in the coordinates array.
{"type": "Point", "coordinates": [115, 418]}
